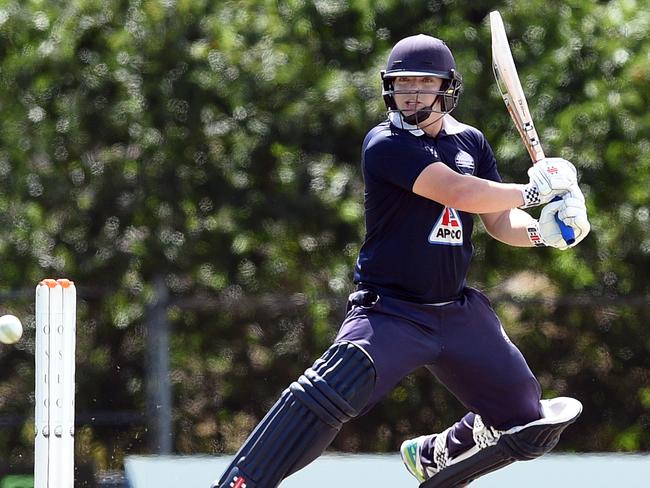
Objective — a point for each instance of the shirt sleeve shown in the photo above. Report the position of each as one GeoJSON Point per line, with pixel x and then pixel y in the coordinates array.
{"type": "Point", "coordinates": [397, 160]}
{"type": "Point", "coordinates": [487, 168]}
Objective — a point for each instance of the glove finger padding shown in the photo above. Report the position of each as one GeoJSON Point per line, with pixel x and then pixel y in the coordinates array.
{"type": "Point", "coordinates": [549, 178]}
{"type": "Point", "coordinates": [575, 192]}
{"type": "Point", "coordinates": [553, 174]}
{"type": "Point", "coordinates": [548, 229]}
{"type": "Point", "coordinates": [572, 211]}
{"type": "Point", "coordinates": [574, 214]}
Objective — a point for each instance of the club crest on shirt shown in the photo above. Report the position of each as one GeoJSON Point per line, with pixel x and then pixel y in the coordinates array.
{"type": "Point", "coordinates": [431, 150]}
{"type": "Point", "coordinates": [448, 229]}
{"type": "Point", "coordinates": [464, 162]}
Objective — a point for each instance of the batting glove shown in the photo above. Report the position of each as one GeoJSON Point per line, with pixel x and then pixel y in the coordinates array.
{"type": "Point", "coordinates": [572, 211]}
{"type": "Point", "coordinates": [549, 178]}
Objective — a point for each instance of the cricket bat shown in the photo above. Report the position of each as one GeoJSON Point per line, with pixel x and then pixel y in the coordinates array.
{"type": "Point", "coordinates": [513, 95]}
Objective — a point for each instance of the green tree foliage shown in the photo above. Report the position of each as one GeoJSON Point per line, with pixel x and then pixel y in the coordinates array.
{"type": "Point", "coordinates": [216, 144]}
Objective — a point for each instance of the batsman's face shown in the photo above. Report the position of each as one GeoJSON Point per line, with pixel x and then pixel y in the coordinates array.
{"type": "Point", "coordinates": [413, 93]}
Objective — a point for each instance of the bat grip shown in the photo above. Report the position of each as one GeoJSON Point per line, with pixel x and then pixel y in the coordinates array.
{"type": "Point", "coordinates": [567, 232]}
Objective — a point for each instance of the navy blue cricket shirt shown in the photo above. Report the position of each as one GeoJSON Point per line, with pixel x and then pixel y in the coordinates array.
{"type": "Point", "coordinates": [417, 249]}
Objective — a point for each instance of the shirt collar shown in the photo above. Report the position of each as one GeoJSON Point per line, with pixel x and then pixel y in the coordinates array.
{"type": "Point", "coordinates": [450, 126]}
{"type": "Point", "coordinates": [398, 121]}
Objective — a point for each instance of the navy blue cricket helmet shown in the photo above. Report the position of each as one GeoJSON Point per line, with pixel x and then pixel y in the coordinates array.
{"type": "Point", "coordinates": [422, 55]}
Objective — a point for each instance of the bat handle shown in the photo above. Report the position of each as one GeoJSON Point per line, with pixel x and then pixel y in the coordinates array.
{"type": "Point", "coordinates": [567, 232]}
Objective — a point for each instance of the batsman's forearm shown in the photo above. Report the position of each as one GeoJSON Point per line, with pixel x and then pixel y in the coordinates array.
{"type": "Point", "coordinates": [484, 196]}
{"type": "Point", "coordinates": [510, 227]}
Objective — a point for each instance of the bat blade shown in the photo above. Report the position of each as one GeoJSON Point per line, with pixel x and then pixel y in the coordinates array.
{"type": "Point", "coordinates": [513, 95]}
{"type": "Point", "coordinates": [511, 90]}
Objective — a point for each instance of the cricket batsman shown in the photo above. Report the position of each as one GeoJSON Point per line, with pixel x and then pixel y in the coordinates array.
{"type": "Point", "coordinates": [426, 176]}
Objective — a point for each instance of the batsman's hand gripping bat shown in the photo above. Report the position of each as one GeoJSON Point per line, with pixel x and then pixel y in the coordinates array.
{"type": "Point", "coordinates": [509, 85]}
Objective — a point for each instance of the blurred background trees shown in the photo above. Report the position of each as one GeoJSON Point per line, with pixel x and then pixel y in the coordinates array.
{"type": "Point", "coordinates": [214, 147]}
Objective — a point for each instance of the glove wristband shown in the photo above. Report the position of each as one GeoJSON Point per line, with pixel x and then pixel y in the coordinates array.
{"type": "Point", "coordinates": [534, 235]}
{"type": "Point", "coordinates": [530, 192]}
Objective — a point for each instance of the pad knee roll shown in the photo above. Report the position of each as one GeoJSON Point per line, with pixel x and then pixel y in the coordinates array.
{"type": "Point", "coordinates": [338, 385]}
{"type": "Point", "coordinates": [306, 418]}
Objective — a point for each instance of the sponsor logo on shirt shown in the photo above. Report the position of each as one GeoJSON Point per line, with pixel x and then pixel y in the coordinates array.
{"type": "Point", "coordinates": [464, 162]}
{"type": "Point", "coordinates": [448, 229]}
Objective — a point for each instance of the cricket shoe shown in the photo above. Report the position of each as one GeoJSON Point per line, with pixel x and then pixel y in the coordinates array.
{"type": "Point", "coordinates": [411, 452]}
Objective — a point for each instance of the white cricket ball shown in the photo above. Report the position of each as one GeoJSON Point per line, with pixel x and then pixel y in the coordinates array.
{"type": "Point", "coordinates": [10, 329]}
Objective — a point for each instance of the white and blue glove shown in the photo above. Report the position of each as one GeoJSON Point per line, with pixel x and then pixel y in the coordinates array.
{"type": "Point", "coordinates": [549, 178]}
{"type": "Point", "coordinates": [572, 211]}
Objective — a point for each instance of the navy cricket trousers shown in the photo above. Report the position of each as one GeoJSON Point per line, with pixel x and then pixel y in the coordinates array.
{"type": "Point", "coordinates": [462, 343]}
